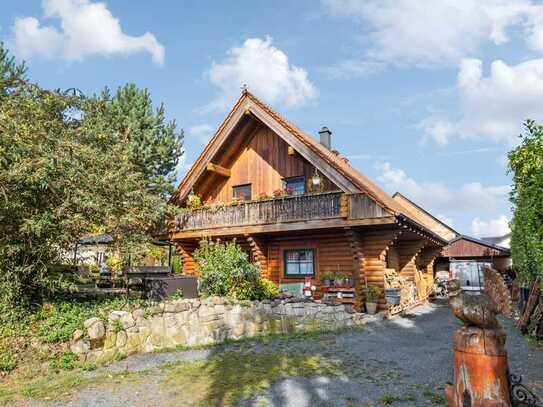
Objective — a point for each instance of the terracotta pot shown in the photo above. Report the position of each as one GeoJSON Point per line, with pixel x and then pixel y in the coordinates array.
{"type": "Point", "coordinates": [371, 308]}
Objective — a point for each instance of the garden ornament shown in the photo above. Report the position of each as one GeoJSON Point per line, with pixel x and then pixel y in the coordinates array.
{"type": "Point", "coordinates": [480, 358]}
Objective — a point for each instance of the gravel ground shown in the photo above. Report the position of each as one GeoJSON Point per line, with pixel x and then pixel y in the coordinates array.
{"type": "Point", "coordinates": [405, 360]}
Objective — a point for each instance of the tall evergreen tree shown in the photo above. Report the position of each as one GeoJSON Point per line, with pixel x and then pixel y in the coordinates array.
{"type": "Point", "coordinates": [154, 144]}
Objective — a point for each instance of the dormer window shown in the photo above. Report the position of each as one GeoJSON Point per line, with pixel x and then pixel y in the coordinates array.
{"type": "Point", "coordinates": [242, 192]}
{"type": "Point", "coordinates": [295, 184]}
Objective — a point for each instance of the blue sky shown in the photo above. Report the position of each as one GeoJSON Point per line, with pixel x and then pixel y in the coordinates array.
{"type": "Point", "coordinates": [423, 97]}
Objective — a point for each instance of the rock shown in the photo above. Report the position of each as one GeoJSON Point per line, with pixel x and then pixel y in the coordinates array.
{"type": "Point", "coordinates": [128, 321]}
{"type": "Point", "coordinates": [91, 321]}
{"type": "Point", "coordinates": [80, 347]}
{"type": "Point", "coordinates": [121, 339]}
{"type": "Point", "coordinates": [114, 315]}
{"type": "Point", "coordinates": [97, 330]}
{"type": "Point", "coordinates": [142, 323]}
{"type": "Point", "coordinates": [170, 321]}
{"type": "Point", "coordinates": [138, 313]}
{"type": "Point", "coordinates": [218, 300]}
{"type": "Point", "coordinates": [148, 346]}
{"type": "Point", "coordinates": [199, 322]}
{"type": "Point", "coordinates": [110, 341]}
{"type": "Point", "coordinates": [181, 306]}
{"type": "Point", "coordinates": [77, 335]}
{"type": "Point", "coordinates": [156, 310]}
{"type": "Point", "coordinates": [169, 308]}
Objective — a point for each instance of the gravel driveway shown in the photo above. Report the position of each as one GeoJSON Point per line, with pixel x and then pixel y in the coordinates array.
{"type": "Point", "coordinates": [404, 361]}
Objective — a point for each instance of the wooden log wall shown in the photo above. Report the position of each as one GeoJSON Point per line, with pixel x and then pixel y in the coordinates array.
{"type": "Point", "coordinates": [259, 252]}
{"type": "Point", "coordinates": [408, 251]}
{"type": "Point", "coordinates": [426, 260]}
{"type": "Point", "coordinates": [332, 253]}
{"type": "Point", "coordinates": [393, 257]}
{"type": "Point", "coordinates": [186, 250]}
{"type": "Point", "coordinates": [374, 247]}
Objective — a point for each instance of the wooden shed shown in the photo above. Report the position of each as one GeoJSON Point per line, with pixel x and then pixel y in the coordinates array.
{"type": "Point", "coordinates": [468, 248]}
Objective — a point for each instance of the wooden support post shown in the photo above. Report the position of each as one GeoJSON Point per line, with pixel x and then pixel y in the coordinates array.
{"type": "Point", "coordinates": [374, 246]}
{"type": "Point", "coordinates": [359, 278]}
{"type": "Point", "coordinates": [408, 252]}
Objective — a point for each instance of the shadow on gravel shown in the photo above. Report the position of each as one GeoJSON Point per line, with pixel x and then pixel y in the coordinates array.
{"type": "Point", "coordinates": [313, 370]}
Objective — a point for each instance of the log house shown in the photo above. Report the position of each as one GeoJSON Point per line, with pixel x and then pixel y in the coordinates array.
{"type": "Point", "coordinates": [298, 208]}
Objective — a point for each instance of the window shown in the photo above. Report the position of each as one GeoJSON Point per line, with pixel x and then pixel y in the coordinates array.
{"type": "Point", "coordinates": [296, 184]}
{"type": "Point", "coordinates": [242, 192]}
{"type": "Point", "coordinates": [299, 262]}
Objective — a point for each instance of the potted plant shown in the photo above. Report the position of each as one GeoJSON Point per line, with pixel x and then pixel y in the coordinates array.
{"type": "Point", "coordinates": [340, 279]}
{"type": "Point", "coordinates": [372, 293]}
{"type": "Point", "coordinates": [327, 278]}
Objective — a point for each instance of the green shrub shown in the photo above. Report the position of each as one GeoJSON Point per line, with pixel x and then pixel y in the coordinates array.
{"type": "Point", "coordinates": [66, 361]}
{"type": "Point", "coordinates": [8, 361]}
{"type": "Point", "coordinates": [177, 295]}
{"type": "Point", "coordinates": [526, 168]}
{"type": "Point", "coordinates": [177, 265]}
{"type": "Point", "coordinates": [267, 289]}
{"type": "Point", "coordinates": [225, 270]}
{"type": "Point", "coordinates": [117, 326]}
{"type": "Point", "coordinates": [59, 320]}
{"type": "Point", "coordinates": [115, 264]}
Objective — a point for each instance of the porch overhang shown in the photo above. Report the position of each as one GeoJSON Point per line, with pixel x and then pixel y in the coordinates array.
{"type": "Point", "coordinates": [282, 227]}
{"type": "Point", "coordinates": [415, 227]}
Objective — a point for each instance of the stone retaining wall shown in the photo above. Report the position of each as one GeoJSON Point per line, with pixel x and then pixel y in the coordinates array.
{"type": "Point", "coordinates": [201, 322]}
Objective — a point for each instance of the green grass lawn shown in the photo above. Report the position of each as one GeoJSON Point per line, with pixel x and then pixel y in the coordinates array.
{"type": "Point", "coordinates": [222, 379]}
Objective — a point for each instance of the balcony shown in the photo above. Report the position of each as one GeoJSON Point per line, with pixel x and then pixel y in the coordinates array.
{"type": "Point", "coordinates": [284, 210]}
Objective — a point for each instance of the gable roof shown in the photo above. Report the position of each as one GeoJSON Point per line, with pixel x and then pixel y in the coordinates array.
{"type": "Point", "coordinates": [330, 164]}
{"type": "Point", "coordinates": [425, 218]}
{"type": "Point", "coordinates": [502, 250]}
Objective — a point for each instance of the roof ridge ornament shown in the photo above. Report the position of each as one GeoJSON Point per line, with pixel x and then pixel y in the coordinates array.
{"type": "Point", "coordinates": [244, 89]}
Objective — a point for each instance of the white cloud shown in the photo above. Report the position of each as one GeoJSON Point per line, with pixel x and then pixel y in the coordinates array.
{"type": "Point", "coordinates": [438, 130]}
{"type": "Point", "coordinates": [493, 227]}
{"type": "Point", "coordinates": [202, 132]}
{"type": "Point", "coordinates": [438, 197]}
{"type": "Point", "coordinates": [494, 106]}
{"type": "Point", "coordinates": [435, 33]}
{"type": "Point", "coordinates": [86, 28]}
{"type": "Point", "coordinates": [265, 70]}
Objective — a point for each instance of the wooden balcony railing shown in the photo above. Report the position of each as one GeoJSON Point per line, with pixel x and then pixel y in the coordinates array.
{"type": "Point", "coordinates": [286, 209]}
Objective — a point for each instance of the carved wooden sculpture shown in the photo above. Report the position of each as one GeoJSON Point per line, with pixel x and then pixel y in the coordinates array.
{"type": "Point", "coordinates": [480, 357]}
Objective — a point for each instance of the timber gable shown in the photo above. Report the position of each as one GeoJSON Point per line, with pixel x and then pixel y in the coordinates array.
{"type": "Point", "coordinates": [249, 116]}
